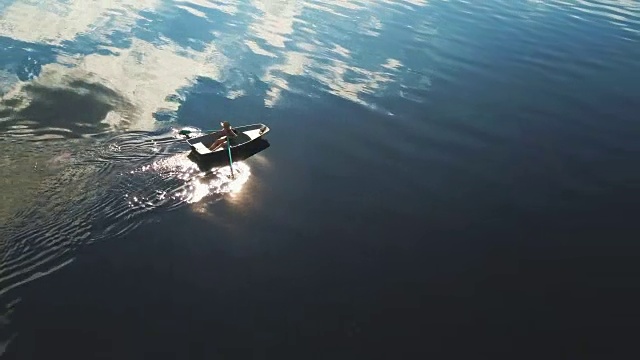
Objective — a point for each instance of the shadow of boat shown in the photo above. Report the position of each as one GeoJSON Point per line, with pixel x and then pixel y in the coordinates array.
{"type": "Point", "coordinates": [222, 158]}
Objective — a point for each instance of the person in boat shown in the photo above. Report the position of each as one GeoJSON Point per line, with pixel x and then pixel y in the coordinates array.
{"type": "Point", "coordinates": [227, 131]}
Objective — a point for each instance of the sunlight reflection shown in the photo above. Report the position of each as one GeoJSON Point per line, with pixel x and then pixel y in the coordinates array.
{"type": "Point", "coordinates": [193, 185]}
{"type": "Point", "coordinates": [219, 182]}
{"type": "Point", "coordinates": [184, 183]}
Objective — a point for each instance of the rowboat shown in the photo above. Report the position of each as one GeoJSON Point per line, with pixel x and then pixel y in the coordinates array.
{"type": "Point", "coordinates": [247, 135]}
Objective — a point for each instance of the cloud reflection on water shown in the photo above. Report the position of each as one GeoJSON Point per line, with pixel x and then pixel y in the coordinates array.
{"type": "Point", "coordinates": [226, 6]}
{"type": "Point", "coordinates": [148, 71]}
{"type": "Point", "coordinates": [148, 74]}
{"type": "Point", "coordinates": [52, 22]}
{"type": "Point", "coordinates": [145, 75]}
{"type": "Point", "coordinates": [327, 60]}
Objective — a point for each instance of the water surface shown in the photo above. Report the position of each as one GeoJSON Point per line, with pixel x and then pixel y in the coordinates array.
{"type": "Point", "coordinates": [442, 179]}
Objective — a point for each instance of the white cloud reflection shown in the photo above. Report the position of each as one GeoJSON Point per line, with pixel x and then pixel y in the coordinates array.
{"type": "Point", "coordinates": [226, 6]}
{"type": "Point", "coordinates": [316, 56]}
{"type": "Point", "coordinates": [256, 49]}
{"type": "Point", "coordinates": [274, 20]}
{"type": "Point", "coordinates": [392, 64]}
{"type": "Point", "coordinates": [294, 64]}
{"type": "Point", "coordinates": [192, 10]}
{"type": "Point", "coordinates": [52, 22]}
{"type": "Point", "coordinates": [145, 73]}
{"type": "Point", "coordinates": [364, 82]}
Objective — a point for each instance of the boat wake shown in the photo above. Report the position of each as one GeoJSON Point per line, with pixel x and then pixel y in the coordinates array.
{"type": "Point", "coordinates": [110, 190]}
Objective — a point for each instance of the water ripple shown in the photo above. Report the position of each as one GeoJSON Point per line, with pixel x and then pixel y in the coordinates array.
{"type": "Point", "coordinates": [476, 88]}
{"type": "Point", "coordinates": [106, 193]}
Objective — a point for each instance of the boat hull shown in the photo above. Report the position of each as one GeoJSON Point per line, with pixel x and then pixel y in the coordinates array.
{"type": "Point", "coordinates": [247, 136]}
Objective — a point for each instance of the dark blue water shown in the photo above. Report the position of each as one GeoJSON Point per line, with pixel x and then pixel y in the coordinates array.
{"type": "Point", "coordinates": [442, 179]}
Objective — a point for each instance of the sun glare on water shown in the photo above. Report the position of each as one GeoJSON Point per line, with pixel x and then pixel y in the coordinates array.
{"type": "Point", "coordinates": [178, 180]}
{"type": "Point", "coordinates": [217, 182]}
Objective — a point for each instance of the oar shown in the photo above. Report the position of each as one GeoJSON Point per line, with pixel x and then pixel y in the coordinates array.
{"type": "Point", "coordinates": [230, 160]}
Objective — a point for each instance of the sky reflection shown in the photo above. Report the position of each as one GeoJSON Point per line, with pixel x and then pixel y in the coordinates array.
{"type": "Point", "coordinates": [151, 55]}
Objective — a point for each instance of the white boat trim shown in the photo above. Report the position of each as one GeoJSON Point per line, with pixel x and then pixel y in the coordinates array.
{"type": "Point", "coordinates": [200, 148]}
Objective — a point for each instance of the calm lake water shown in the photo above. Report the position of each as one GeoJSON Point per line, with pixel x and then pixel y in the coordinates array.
{"type": "Point", "coordinates": [442, 179]}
